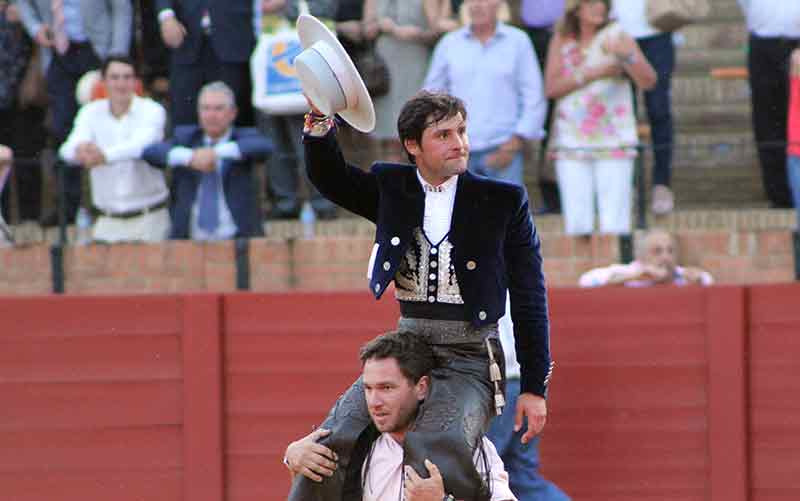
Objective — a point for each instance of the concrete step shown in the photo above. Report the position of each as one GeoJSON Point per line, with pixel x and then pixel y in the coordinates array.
{"type": "Point", "coordinates": [692, 119]}
{"type": "Point", "coordinates": [731, 186]}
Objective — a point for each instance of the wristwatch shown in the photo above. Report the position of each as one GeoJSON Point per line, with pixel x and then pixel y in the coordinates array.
{"type": "Point", "coordinates": [448, 497]}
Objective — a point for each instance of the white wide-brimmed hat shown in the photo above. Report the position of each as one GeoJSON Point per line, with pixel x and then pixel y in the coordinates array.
{"type": "Point", "coordinates": [328, 76]}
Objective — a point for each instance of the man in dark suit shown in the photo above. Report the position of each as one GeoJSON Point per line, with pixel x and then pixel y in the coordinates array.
{"type": "Point", "coordinates": [453, 243]}
{"type": "Point", "coordinates": [210, 40]}
{"type": "Point", "coordinates": [213, 191]}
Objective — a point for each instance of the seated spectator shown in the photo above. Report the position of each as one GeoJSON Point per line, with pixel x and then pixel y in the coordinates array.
{"type": "Point", "coordinates": [213, 190]}
{"type": "Point", "coordinates": [129, 196]}
{"type": "Point", "coordinates": [793, 151]}
{"type": "Point", "coordinates": [656, 264]}
{"type": "Point", "coordinates": [594, 127]}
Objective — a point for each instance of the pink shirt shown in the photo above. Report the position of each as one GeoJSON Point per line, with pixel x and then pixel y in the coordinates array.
{"type": "Point", "coordinates": [385, 474]}
{"type": "Point", "coordinates": [793, 133]}
{"type": "Point", "coordinates": [601, 276]}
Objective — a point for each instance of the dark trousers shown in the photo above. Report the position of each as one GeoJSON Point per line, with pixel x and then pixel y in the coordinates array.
{"type": "Point", "coordinates": [22, 130]}
{"type": "Point", "coordinates": [660, 52]}
{"type": "Point", "coordinates": [62, 78]}
{"type": "Point", "coordinates": [540, 38]}
{"type": "Point", "coordinates": [449, 427]}
{"type": "Point", "coordinates": [186, 80]}
{"type": "Point", "coordinates": [283, 171]}
{"type": "Point", "coordinates": [768, 65]}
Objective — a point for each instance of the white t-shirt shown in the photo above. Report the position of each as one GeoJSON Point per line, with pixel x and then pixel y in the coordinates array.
{"type": "Point", "coordinates": [385, 474]}
{"type": "Point", "coordinates": [632, 16]}
{"type": "Point", "coordinates": [772, 18]}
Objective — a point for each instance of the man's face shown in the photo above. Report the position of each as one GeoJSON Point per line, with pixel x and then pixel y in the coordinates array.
{"type": "Point", "coordinates": [216, 113]}
{"type": "Point", "coordinates": [392, 399]}
{"type": "Point", "coordinates": [483, 13]}
{"type": "Point", "coordinates": [120, 82]}
{"type": "Point", "coordinates": [443, 150]}
{"type": "Point", "coordinates": [660, 251]}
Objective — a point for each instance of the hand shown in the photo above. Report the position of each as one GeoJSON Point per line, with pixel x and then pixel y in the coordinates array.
{"type": "Point", "coordinates": [272, 6]}
{"type": "Point", "coordinates": [621, 45]}
{"type": "Point", "coordinates": [312, 460]}
{"type": "Point", "coordinates": [655, 273]}
{"type": "Point", "coordinates": [795, 65]}
{"type": "Point", "coordinates": [607, 70]}
{"type": "Point", "coordinates": [203, 159]}
{"type": "Point", "coordinates": [12, 13]}
{"type": "Point", "coordinates": [43, 37]}
{"type": "Point", "coordinates": [447, 24]}
{"type": "Point", "coordinates": [370, 28]}
{"type": "Point", "coordinates": [89, 155]}
{"type": "Point", "coordinates": [534, 408]}
{"type": "Point", "coordinates": [172, 32]}
{"type": "Point", "coordinates": [407, 33]}
{"type": "Point", "coordinates": [693, 275]}
{"type": "Point", "coordinates": [504, 154]}
{"type": "Point", "coordinates": [416, 488]}
{"type": "Point", "coordinates": [6, 155]}
{"type": "Point", "coordinates": [387, 25]}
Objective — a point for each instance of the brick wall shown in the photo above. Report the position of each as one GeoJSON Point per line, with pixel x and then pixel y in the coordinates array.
{"type": "Point", "coordinates": [337, 263]}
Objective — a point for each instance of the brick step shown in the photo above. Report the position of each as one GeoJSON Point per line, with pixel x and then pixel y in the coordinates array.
{"type": "Point", "coordinates": [728, 187]}
{"type": "Point", "coordinates": [701, 61]}
{"type": "Point", "coordinates": [723, 32]}
{"type": "Point", "coordinates": [700, 89]}
{"type": "Point", "coordinates": [723, 118]}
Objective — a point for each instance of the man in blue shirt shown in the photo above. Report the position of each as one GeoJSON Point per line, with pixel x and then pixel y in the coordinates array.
{"type": "Point", "coordinates": [492, 67]}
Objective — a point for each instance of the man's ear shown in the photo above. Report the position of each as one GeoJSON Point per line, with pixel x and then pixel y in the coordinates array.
{"type": "Point", "coordinates": [412, 147]}
{"type": "Point", "coordinates": [422, 387]}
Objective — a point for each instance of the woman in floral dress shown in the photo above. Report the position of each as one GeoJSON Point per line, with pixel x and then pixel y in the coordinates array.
{"type": "Point", "coordinates": [589, 64]}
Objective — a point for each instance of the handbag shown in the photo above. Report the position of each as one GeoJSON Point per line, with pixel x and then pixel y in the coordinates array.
{"type": "Point", "coordinates": [276, 87]}
{"type": "Point", "coordinates": [670, 15]}
{"type": "Point", "coordinates": [373, 70]}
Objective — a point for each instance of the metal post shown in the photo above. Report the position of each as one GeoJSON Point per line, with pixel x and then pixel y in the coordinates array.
{"type": "Point", "coordinates": [796, 239]}
{"type": "Point", "coordinates": [641, 206]}
{"type": "Point", "coordinates": [242, 264]}
{"type": "Point", "coordinates": [57, 268]}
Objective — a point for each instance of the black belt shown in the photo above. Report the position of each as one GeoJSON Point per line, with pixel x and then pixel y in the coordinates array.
{"type": "Point", "coordinates": [131, 213]}
{"type": "Point", "coordinates": [447, 331]}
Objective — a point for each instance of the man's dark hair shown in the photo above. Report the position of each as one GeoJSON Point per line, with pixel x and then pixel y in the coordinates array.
{"type": "Point", "coordinates": [414, 356]}
{"type": "Point", "coordinates": [118, 58]}
{"type": "Point", "coordinates": [423, 110]}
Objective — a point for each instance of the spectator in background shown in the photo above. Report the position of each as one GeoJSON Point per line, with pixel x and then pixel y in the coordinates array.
{"type": "Point", "coordinates": [209, 40]}
{"type": "Point", "coordinates": [129, 197]}
{"type": "Point", "coordinates": [659, 50]}
{"type": "Point", "coordinates": [538, 19]}
{"type": "Point", "coordinates": [286, 131]}
{"type": "Point", "coordinates": [74, 36]}
{"type": "Point", "coordinates": [6, 155]}
{"type": "Point", "coordinates": [17, 118]}
{"type": "Point", "coordinates": [150, 49]}
{"type": "Point", "coordinates": [793, 134]}
{"type": "Point", "coordinates": [656, 264]}
{"type": "Point", "coordinates": [213, 192]}
{"type": "Point", "coordinates": [505, 98]}
{"type": "Point", "coordinates": [774, 27]}
{"type": "Point", "coordinates": [521, 460]}
{"type": "Point", "coordinates": [404, 32]}
{"type": "Point", "coordinates": [594, 129]}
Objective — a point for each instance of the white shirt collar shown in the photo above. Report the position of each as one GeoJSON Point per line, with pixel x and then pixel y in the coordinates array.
{"type": "Point", "coordinates": [446, 187]}
{"type": "Point", "coordinates": [223, 138]}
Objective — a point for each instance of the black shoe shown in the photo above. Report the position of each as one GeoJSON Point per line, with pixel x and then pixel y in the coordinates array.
{"type": "Point", "coordinates": [275, 214]}
{"type": "Point", "coordinates": [326, 214]}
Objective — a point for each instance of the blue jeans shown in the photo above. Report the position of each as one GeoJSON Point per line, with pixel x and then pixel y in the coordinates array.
{"type": "Point", "coordinates": [521, 461]}
{"type": "Point", "coordinates": [511, 172]}
{"type": "Point", "coordinates": [660, 52]}
{"type": "Point", "coordinates": [793, 173]}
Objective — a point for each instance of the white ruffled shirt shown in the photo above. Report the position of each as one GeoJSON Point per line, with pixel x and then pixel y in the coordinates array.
{"type": "Point", "coordinates": [385, 474]}
{"type": "Point", "coordinates": [439, 202]}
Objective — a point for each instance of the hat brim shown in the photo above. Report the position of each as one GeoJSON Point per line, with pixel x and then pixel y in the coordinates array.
{"type": "Point", "coordinates": [311, 30]}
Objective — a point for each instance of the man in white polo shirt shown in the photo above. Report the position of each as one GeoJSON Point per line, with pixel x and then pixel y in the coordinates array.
{"type": "Point", "coordinates": [129, 196]}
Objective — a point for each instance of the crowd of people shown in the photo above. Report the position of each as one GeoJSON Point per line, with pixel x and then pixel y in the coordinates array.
{"type": "Point", "coordinates": [566, 77]}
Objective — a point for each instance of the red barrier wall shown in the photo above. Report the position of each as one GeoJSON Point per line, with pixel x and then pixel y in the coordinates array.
{"type": "Point", "coordinates": [658, 394]}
